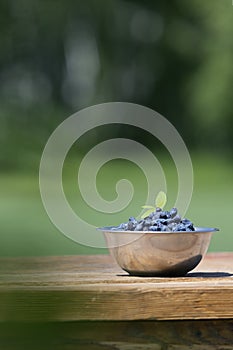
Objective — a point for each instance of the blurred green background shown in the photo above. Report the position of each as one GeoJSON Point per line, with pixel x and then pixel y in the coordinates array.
{"type": "Point", "coordinates": [58, 57]}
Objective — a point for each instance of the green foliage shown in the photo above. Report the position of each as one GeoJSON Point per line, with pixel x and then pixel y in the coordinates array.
{"type": "Point", "coordinates": [175, 57]}
{"type": "Point", "coordinates": [27, 230]}
{"type": "Point", "coordinates": [58, 57]}
{"type": "Point", "coordinates": [160, 202]}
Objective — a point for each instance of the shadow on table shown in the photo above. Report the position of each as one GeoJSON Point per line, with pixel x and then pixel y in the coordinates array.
{"type": "Point", "coordinates": [189, 274]}
{"type": "Point", "coordinates": [209, 274]}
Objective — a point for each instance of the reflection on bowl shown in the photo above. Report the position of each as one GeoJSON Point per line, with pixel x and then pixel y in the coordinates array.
{"type": "Point", "coordinates": [158, 253]}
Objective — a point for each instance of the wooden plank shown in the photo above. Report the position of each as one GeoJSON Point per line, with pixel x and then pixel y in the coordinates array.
{"type": "Point", "coordinates": [95, 288]}
{"type": "Point", "coordinates": [213, 262]}
{"type": "Point", "coordinates": [142, 335]}
{"type": "Point", "coordinates": [101, 269]}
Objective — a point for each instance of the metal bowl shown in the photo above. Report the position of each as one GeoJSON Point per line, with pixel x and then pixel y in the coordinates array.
{"type": "Point", "coordinates": [158, 253]}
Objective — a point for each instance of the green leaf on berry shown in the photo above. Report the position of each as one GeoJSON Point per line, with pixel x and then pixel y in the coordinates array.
{"type": "Point", "coordinates": [148, 207]}
{"type": "Point", "coordinates": [147, 213]}
{"type": "Point", "coordinates": [161, 200]}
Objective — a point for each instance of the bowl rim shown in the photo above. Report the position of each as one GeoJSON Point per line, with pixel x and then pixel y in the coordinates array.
{"type": "Point", "coordinates": [111, 229]}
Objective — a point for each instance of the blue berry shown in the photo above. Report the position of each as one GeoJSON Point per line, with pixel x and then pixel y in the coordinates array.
{"type": "Point", "coordinates": [153, 228]}
{"type": "Point", "coordinates": [181, 227]}
{"type": "Point", "coordinates": [122, 226]}
{"type": "Point", "coordinates": [173, 212]}
{"type": "Point", "coordinates": [165, 215]}
{"type": "Point", "coordinates": [159, 220]}
{"type": "Point", "coordinates": [139, 227]}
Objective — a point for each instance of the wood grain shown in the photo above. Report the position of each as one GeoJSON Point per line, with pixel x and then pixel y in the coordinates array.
{"type": "Point", "coordinates": [77, 288]}
{"type": "Point", "coordinates": [140, 335]}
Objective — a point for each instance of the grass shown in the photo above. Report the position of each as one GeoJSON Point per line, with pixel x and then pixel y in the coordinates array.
{"type": "Point", "coordinates": [26, 229]}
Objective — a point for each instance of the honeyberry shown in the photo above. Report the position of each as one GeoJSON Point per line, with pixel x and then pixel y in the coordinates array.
{"type": "Point", "coordinates": [158, 220]}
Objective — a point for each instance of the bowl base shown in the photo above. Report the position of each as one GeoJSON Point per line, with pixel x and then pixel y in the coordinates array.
{"type": "Point", "coordinates": [178, 270]}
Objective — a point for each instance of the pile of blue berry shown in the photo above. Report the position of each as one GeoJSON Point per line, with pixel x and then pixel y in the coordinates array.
{"type": "Point", "coordinates": [158, 220]}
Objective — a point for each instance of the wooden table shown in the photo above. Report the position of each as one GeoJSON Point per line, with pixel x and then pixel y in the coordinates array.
{"type": "Point", "coordinates": [88, 302]}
